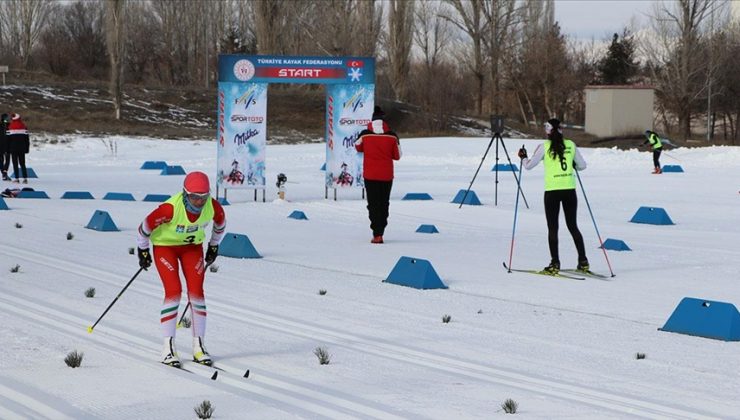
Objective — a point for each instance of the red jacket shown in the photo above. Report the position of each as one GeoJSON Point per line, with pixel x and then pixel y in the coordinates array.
{"type": "Point", "coordinates": [381, 147]}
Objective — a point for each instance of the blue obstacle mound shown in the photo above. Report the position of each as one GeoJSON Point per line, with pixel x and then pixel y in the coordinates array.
{"type": "Point", "coordinates": [157, 198]}
{"type": "Point", "coordinates": [427, 229]}
{"type": "Point", "coordinates": [705, 318]}
{"type": "Point", "coordinates": [615, 244]}
{"type": "Point", "coordinates": [298, 215]}
{"type": "Point", "coordinates": [31, 173]}
{"type": "Point", "coordinates": [417, 196]}
{"type": "Point", "coordinates": [77, 195]}
{"type": "Point", "coordinates": [652, 216]}
{"type": "Point", "coordinates": [223, 201]}
{"type": "Point", "coordinates": [672, 168]}
{"type": "Point", "coordinates": [118, 196]}
{"type": "Point", "coordinates": [416, 273]}
{"type": "Point", "coordinates": [323, 167]}
{"type": "Point", "coordinates": [236, 245]}
{"type": "Point", "coordinates": [504, 167]}
{"type": "Point", "coordinates": [102, 222]}
{"type": "Point", "coordinates": [471, 199]}
{"type": "Point", "coordinates": [154, 164]}
{"type": "Point", "coordinates": [3, 205]}
{"type": "Point", "coordinates": [32, 194]}
{"type": "Point", "coordinates": [173, 170]}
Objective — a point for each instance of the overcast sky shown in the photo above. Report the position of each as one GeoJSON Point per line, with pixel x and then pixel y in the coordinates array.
{"type": "Point", "coordinates": [599, 19]}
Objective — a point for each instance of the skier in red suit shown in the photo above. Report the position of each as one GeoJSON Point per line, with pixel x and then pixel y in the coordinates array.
{"type": "Point", "coordinates": [177, 230]}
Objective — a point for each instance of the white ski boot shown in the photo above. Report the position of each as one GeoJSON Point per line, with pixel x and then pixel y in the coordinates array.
{"type": "Point", "coordinates": [169, 355]}
{"type": "Point", "coordinates": [200, 354]}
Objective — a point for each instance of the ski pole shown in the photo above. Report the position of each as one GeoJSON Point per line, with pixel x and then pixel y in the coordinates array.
{"type": "Point", "coordinates": [516, 209]}
{"type": "Point", "coordinates": [90, 329]}
{"type": "Point", "coordinates": [601, 243]}
{"type": "Point", "coordinates": [185, 311]}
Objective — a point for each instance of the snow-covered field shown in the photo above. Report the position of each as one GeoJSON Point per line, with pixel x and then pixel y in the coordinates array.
{"type": "Point", "coordinates": [559, 348]}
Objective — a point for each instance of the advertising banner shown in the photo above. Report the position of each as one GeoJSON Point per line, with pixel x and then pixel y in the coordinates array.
{"type": "Point", "coordinates": [349, 109]}
{"type": "Point", "coordinates": [292, 69]}
{"type": "Point", "coordinates": [242, 135]}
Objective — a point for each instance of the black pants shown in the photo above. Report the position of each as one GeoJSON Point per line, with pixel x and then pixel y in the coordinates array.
{"type": "Point", "coordinates": [656, 157]}
{"type": "Point", "coordinates": [552, 213]}
{"type": "Point", "coordinates": [19, 158]}
{"type": "Point", "coordinates": [4, 161]}
{"type": "Point", "coordinates": [378, 200]}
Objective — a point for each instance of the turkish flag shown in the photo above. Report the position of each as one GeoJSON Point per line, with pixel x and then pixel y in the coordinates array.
{"type": "Point", "coordinates": [355, 63]}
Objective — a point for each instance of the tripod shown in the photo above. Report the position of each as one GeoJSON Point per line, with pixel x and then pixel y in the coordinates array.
{"type": "Point", "coordinates": [498, 139]}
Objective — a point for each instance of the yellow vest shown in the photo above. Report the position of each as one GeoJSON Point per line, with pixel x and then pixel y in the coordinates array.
{"type": "Point", "coordinates": [180, 230]}
{"type": "Point", "coordinates": [559, 174]}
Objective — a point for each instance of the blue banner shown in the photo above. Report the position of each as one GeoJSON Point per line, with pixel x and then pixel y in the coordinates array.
{"type": "Point", "coordinates": [295, 69]}
{"type": "Point", "coordinates": [349, 109]}
{"type": "Point", "coordinates": [242, 135]}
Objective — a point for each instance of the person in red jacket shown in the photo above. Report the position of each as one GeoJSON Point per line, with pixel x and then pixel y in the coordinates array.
{"type": "Point", "coordinates": [177, 230]}
{"type": "Point", "coordinates": [18, 145]}
{"type": "Point", "coordinates": [381, 147]}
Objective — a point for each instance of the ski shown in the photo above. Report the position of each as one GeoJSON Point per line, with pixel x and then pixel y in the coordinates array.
{"type": "Point", "coordinates": [588, 273]}
{"type": "Point", "coordinates": [178, 367]}
{"type": "Point", "coordinates": [543, 273]}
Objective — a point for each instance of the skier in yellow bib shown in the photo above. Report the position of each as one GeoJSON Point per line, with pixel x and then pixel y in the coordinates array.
{"type": "Point", "coordinates": [561, 158]}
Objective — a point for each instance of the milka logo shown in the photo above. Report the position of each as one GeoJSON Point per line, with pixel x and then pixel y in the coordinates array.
{"type": "Point", "coordinates": [349, 141]}
{"type": "Point", "coordinates": [243, 138]}
{"type": "Point", "coordinates": [249, 98]}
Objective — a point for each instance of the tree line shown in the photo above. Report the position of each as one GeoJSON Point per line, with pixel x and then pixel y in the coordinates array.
{"type": "Point", "coordinates": [447, 57]}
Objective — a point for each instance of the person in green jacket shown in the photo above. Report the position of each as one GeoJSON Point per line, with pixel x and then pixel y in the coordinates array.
{"type": "Point", "coordinates": [561, 159]}
{"type": "Point", "coordinates": [653, 139]}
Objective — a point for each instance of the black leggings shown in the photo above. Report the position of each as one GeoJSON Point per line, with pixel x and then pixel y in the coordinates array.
{"type": "Point", "coordinates": [552, 213]}
{"type": "Point", "coordinates": [4, 161]}
{"type": "Point", "coordinates": [378, 201]}
{"type": "Point", "coordinates": [19, 158]}
{"type": "Point", "coordinates": [656, 157]}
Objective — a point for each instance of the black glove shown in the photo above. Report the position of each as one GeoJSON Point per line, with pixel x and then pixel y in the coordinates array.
{"type": "Point", "coordinates": [145, 258]}
{"type": "Point", "coordinates": [522, 153]}
{"type": "Point", "coordinates": [211, 254]}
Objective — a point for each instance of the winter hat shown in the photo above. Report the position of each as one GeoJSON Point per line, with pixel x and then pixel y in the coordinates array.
{"type": "Point", "coordinates": [378, 113]}
{"type": "Point", "coordinates": [197, 182]}
{"type": "Point", "coordinates": [552, 124]}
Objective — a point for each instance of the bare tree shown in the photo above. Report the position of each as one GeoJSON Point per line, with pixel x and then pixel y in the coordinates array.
{"type": "Point", "coordinates": [114, 19]}
{"type": "Point", "coordinates": [470, 19]}
{"type": "Point", "coordinates": [24, 21]}
{"type": "Point", "coordinates": [674, 60]}
{"type": "Point", "coordinates": [400, 37]}
{"type": "Point", "coordinates": [367, 24]}
{"type": "Point", "coordinates": [500, 19]}
{"type": "Point", "coordinates": [270, 21]}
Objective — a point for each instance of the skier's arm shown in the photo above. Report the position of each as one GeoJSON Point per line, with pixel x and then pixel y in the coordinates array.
{"type": "Point", "coordinates": [579, 162]}
{"type": "Point", "coordinates": [160, 215]}
{"type": "Point", "coordinates": [219, 223]}
{"type": "Point", "coordinates": [537, 156]}
{"type": "Point", "coordinates": [396, 148]}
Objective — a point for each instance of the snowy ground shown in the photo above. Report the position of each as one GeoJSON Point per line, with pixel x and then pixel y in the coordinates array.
{"type": "Point", "coordinates": [559, 348]}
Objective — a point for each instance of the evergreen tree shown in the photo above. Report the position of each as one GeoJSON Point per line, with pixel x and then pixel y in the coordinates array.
{"type": "Point", "coordinates": [618, 67]}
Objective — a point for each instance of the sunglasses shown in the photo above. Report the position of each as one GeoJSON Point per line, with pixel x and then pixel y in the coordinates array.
{"type": "Point", "coordinates": [196, 196]}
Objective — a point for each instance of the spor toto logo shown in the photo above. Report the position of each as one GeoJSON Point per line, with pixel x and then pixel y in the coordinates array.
{"type": "Point", "coordinates": [244, 70]}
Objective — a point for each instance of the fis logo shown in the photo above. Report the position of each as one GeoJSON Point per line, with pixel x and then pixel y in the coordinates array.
{"type": "Point", "coordinates": [355, 101]}
{"type": "Point", "coordinates": [180, 229]}
{"type": "Point", "coordinates": [248, 98]}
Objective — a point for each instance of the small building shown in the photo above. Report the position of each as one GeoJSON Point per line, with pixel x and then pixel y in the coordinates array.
{"type": "Point", "coordinates": [615, 110]}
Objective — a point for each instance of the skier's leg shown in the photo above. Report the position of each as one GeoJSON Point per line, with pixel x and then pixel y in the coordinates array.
{"type": "Point", "coordinates": [384, 204]}
{"type": "Point", "coordinates": [570, 210]}
{"type": "Point", "coordinates": [374, 206]}
{"type": "Point", "coordinates": [165, 259]}
{"type": "Point", "coordinates": [193, 267]}
{"type": "Point", "coordinates": [552, 213]}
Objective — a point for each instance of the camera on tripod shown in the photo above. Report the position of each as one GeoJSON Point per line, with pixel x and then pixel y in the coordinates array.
{"type": "Point", "coordinates": [497, 124]}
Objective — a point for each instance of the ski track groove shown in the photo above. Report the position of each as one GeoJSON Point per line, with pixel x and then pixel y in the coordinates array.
{"type": "Point", "coordinates": [328, 406]}
{"type": "Point", "coordinates": [499, 376]}
{"type": "Point", "coordinates": [31, 407]}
